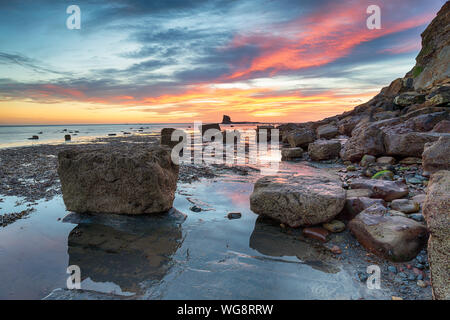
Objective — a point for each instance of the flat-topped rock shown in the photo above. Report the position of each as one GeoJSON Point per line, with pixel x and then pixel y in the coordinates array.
{"type": "Point", "coordinates": [324, 150]}
{"type": "Point", "coordinates": [301, 138]}
{"type": "Point", "coordinates": [308, 198]}
{"type": "Point", "coordinates": [436, 156]}
{"type": "Point", "coordinates": [125, 180]}
{"type": "Point", "coordinates": [392, 237]}
{"type": "Point", "coordinates": [382, 189]}
{"type": "Point", "coordinates": [291, 153]}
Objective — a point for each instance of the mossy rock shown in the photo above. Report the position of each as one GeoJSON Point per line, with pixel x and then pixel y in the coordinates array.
{"type": "Point", "coordinates": [383, 175]}
{"type": "Point", "coordinates": [417, 71]}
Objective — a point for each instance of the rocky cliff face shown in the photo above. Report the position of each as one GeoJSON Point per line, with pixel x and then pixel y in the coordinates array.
{"type": "Point", "coordinates": [432, 62]}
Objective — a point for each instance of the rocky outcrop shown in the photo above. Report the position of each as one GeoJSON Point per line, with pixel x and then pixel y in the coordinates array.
{"type": "Point", "coordinates": [432, 62]}
{"type": "Point", "coordinates": [436, 156]}
{"type": "Point", "coordinates": [324, 150]}
{"type": "Point", "coordinates": [123, 180]}
{"type": "Point", "coordinates": [308, 198]}
{"type": "Point", "coordinates": [327, 131]}
{"type": "Point", "coordinates": [226, 120]}
{"type": "Point", "coordinates": [301, 138]}
{"type": "Point", "coordinates": [382, 189]}
{"type": "Point", "coordinates": [392, 237]}
{"type": "Point", "coordinates": [436, 211]}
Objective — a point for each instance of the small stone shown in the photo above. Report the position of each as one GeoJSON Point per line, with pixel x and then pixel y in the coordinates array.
{"type": "Point", "coordinates": [411, 277]}
{"type": "Point", "coordinates": [334, 226]}
{"type": "Point", "coordinates": [386, 160]}
{"type": "Point", "coordinates": [397, 213]}
{"type": "Point", "coordinates": [384, 175]}
{"type": "Point", "coordinates": [421, 283]}
{"type": "Point", "coordinates": [317, 233]}
{"type": "Point", "coordinates": [366, 160]}
{"type": "Point", "coordinates": [351, 168]}
{"type": "Point", "coordinates": [403, 275]}
{"type": "Point", "coordinates": [362, 276]}
{"type": "Point", "coordinates": [392, 269]}
{"type": "Point", "coordinates": [195, 209]}
{"type": "Point", "coordinates": [405, 205]}
{"type": "Point", "coordinates": [411, 160]}
{"type": "Point", "coordinates": [417, 216]}
{"type": "Point", "coordinates": [336, 250]}
{"type": "Point", "coordinates": [234, 215]}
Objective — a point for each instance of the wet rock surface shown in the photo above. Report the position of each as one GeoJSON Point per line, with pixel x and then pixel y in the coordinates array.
{"type": "Point", "coordinates": [307, 198]}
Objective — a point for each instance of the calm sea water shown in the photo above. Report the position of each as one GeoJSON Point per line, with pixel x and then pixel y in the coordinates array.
{"type": "Point", "coordinates": [18, 136]}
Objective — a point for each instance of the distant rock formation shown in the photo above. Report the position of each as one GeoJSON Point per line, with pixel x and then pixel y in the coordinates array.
{"type": "Point", "coordinates": [226, 120]}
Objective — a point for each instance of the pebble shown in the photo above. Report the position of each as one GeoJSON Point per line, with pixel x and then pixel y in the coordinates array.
{"type": "Point", "coordinates": [362, 276]}
{"type": "Point", "coordinates": [392, 269]}
{"type": "Point", "coordinates": [317, 233]}
{"type": "Point", "coordinates": [417, 216]}
{"type": "Point", "coordinates": [334, 226]}
{"type": "Point", "coordinates": [403, 275]}
{"type": "Point", "coordinates": [195, 209]}
{"type": "Point", "coordinates": [336, 250]}
{"type": "Point", "coordinates": [234, 215]}
{"type": "Point", "coordinates": [411, 277]}
{"type": "Point", "coordinates": [421, 284]}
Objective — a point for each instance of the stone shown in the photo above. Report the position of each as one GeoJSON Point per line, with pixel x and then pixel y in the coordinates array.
{"type": "Point", "coordinates": [367, 160]}
{"type": "Point", "coordinates": [34, 138]}
{"type": "Point", "coordinates": [436, 156]}
{"type": "Point", "coordinates": [411, 160]}
{"type": "Point", "coordinates": [316, 233]}
{"type": "Point", "coordinates": [264, 130]}
{"type": "Point", "coordinates": [386, 160]}
{"type": "Point", "coordinates": [308, 198]}
{"type": "Point", "coordinates": [436, 211]}
{"type": "Point", "coordinates": [440, 96]}
{"type": "Point", "coordinates": [409, 144]}
{"type": "Point", "coordinates": [166, 137]}
{"type": "Point", "coordinates": [226, 120]}
{"type": "Point", "coordinates": [67, 137]}
{"type": "Point", "coordinates": [384, 175]}
{"type": "Point", "coordinates": [358, 193]}
{"type": "Point", "coordinates": [395, 238]}
{"type": "Point", "coordinates": [366, 139]}
{"type": "Point", "coordinates": [442, 127]}
{"type": "Point", "coordinates": [417, 217]}
{"type": "Point", "coordinates": [327, 131]}
{"type": "Point", "coordinates": [234, 215]}
{"type": "Point", "coordinates": [409, 98]}
{"type": "Point", "coordinates": [125, 180]}
{"type": "Point", "coordinates": [382, 189]}
{"type": "Point", "coordinates": [291, 153]}
{"type": "Point", "coordinates": [334, 226]}
{"type": "Point", "coordinates": [405, 205]}
{"type": "Point", "coordinates": [324, 150]}
{"type": "Point", "coordinates": [301, 138]}
{"type": "Point", "coordinates": [353, 206]}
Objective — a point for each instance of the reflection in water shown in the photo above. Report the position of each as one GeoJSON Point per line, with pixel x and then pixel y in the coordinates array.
{"type": "Point", "coordinates": [124, 250]}
{"type": "Point", "coordinates": [268, 240]}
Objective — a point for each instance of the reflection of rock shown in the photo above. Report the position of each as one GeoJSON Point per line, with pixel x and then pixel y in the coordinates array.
{"type": "Point", "coordinates": [124, 250]}
{"type": "Point", "coordinates": [268, 240]}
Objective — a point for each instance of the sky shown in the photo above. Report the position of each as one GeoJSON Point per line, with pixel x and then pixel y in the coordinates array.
{"type": "Point", "coordinates": [174, 61]}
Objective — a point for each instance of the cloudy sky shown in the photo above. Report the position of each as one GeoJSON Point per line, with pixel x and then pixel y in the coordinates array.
{"type": "Point", "coordinates": [184, 60]}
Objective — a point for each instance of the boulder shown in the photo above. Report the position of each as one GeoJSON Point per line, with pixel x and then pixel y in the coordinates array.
{"type": "Point", "coordinates": [291, 153]}
{"type": "Point", "coordinates": [440, 96]}
{"type": "Point", "coordinates": [405, 205]}
{"type": "Point", "coordinates": [301, 138]}
{"type": "Point", "coordinates": [324, 150]}
{"type": "Point", "coordinates": [382, 189]}
{"type": "Point", "coordinates": [409, 98]}
{"type": "Point", "coordinates": [367, 160]}
{"type": "Point", "coordinates": [353, 206]}
{"type": "Point", "coordinates": [327, 131]}
{"type": "Point", "coordinates": [166, 137]}
{"type": "Point", "coordinates": [308, 198]}
{"type": "Point", "coordinates": [267, 130]}
{"type": "Point", "coordinates": [366, 139]}
{"type": "Point", "coordinates": [436, 156]}
{"type": "Point", "coordinates": [436, 211]}
{"type": "Point", "coordinates": [395, 238]}
{"type": "Point", "coordinates": [442, 127]}
{"type": "Point", "coordinates": [409, 144]}
{"type": "Point", "coordinates": [126, 180]}
{"type": "Point", "coordinates": [386, 160]}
